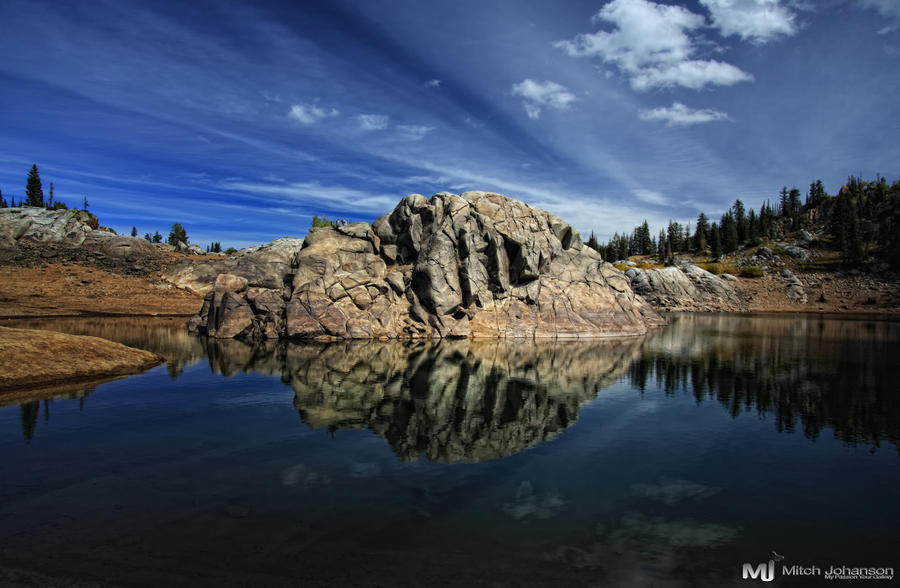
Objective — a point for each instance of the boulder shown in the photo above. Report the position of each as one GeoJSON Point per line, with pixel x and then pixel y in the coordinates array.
{"type": "Point", "coordinates": [67, 228]}
{"type": "Point", "coordinates": [684, 288]}
{"type": "Point", "coordinates": [472, 265]}
{"type": "Point", "coordinates": [264, 266]}
{"type": "Point", "coordinates": [121, 247]}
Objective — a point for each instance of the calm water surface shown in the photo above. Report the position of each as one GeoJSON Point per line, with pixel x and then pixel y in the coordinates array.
{"type": "Point", "coordinates": [667, 460]}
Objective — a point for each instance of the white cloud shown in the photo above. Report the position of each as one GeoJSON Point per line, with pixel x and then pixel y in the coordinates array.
{"type": "Point", "coordinates": [537, 95]}
{"type": "Point", "coordinates": [315, 194]}
{"type": "Point", "coordinates": [889, 9]}
{"type": "Point", "coordinates": [373, 122]}
{"type": "Point", "coordinates": [650, 44]}
{"type": "Point", "coordinates": [679, 115]}
{"type": "Point", "coordinates": [308, 114]}
{"type": "Point", "coordinates": [435, 83]}
{"type": "Point", "coordinates": [415, 132]}
{"type": "Point", "coordinates": [758, 21]}
{"type": "Point", "coordinates": [649, 196]}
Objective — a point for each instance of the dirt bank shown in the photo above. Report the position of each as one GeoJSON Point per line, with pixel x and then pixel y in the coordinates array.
{"type": "Point", "coordinates": [34, 358]}
{"type": "Point", "coordinates": [74, 289]}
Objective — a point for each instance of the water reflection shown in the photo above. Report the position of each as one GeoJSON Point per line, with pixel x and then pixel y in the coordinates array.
{"type": "Point", "coordinates": [466, 401]}
{"type": "Point", "coordinates": [451, 401]}
{"type": "Point", "coordinates": [810, 373]}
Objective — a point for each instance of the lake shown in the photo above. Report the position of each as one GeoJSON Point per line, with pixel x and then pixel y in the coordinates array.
{"type": "Point", "coordinates": [666, 460]}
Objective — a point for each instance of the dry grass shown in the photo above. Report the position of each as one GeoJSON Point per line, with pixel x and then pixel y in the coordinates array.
{"type": "Point", "coordinates": [31, 358]}
{"type": "Point", "coordinates": [75, 290]}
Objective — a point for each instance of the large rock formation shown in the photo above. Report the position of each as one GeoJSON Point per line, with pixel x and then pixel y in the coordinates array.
{"type": "Point", "coordinates": [475, 265]}
{"type": "Point", "coordinates": [687, 288]}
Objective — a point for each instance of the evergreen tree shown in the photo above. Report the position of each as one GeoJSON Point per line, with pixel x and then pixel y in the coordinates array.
{"type": "Point", "coordinates": [177, 234]}
{"type": "Point", "coordinates": [701, 235]}
{"type": "Point", "coordinates": [715, 241]}
{"type": "Point", "coordinates": [643, 243]}
{"type": "Point", "coordinates": [752, 229]}
{"type": "Point", "coordinates": [592, 242]}
{"type": "Point", "coordinates": [783, 203]}
{"type": "Point", "coordinates": [84, 204]}
{"type": "Point", "coordinates": [157, 238]}
{"type": "Point", "coordinates": [794, 208]}
{"type": "Point", "coordinates": [33, 191]}
{"type": "Point", "coordinates": [148, 237]}
{"type": "Point", "coordinates": [661, 246]}
{"type": "Point", "coordinates": [673, 236]}
{"type": "Point", "coordinates": [50, 202]}
{"type": "Point", "coordinates": [729, 232]}
{"type": "Point", "coordinates": [134, 232]}
{"type": "Point", "coordinates": [740, 221]}
{"type": "Point", "coordinates": [2, 201]}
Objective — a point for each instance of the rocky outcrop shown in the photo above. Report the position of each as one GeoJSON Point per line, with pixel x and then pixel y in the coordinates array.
{"type": "Point", "coordinates": [265, 266]}
{"type": "Point", "coordinates": [475, 265]}
{"type": "Point", "coordinates": [68, 228]}
{"type": "Point", "coordinates": [685, 288]}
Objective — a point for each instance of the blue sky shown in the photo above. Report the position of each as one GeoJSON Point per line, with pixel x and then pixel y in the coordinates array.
{"type": "Point", "coordinates": [242, 120]}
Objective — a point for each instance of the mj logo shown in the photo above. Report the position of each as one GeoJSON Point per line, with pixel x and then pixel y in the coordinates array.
{"type": "Point", "coordinates": [763, 571]}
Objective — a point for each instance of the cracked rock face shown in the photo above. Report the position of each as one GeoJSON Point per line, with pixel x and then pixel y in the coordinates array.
{"type": "Point", "coordinates": [685, 288]}
{"type": "Point", "coordinates": [472, 265]}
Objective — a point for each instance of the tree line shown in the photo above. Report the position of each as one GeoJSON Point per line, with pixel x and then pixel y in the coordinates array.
{"type": "Point", "coordinates": [862, 217]}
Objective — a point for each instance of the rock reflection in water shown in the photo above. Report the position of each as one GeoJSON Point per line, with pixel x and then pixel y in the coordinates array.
{"type": "Point", "coordinates": [452, 401]}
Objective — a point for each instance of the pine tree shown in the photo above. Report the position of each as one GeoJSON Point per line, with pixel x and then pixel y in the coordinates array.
{"type": "Point", "coordinates": [592, 242]}
{"type": "Point", "coordinates": [740, 221]}
{"type": "Point", "coordinates": [177, 234]}
{"type": "Point", "coordinates": [794, 208]}
{"type": "Point", "coordinates": [148, 237]}
{"type": "Point", "coordinates": [2, 201]}
{"type": "Point", "coordinates": [701, 235]}
{"type": "Point", "coordinates": [134, 232]}
{"type": "Point", "coordinates": [715, 241]}
{"type": "Point", "coordinates": [782, 211]}
{"type": "Point", "coordinates": [50, 202]}
{"type": "Point", "coordinates": [33, 191]}
{"type": "Point", "coordinates": [729, 233]}
{"type": "Point", "coordinates": [157, 238]}
{"type": "Point", "coordinates": [752, 229]}
{"type": "Point", "coordinates": [85, 204]}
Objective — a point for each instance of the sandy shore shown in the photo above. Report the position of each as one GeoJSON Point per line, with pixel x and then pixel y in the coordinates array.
{"type": "Point", "coordinates": [34, 358]}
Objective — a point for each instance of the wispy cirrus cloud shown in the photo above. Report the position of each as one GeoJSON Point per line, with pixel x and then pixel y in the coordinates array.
{"type": "Point", "coordinates": [433, 83]}
{"type": "Point", "coordinates": [373, 122]}
{"type": "Point", "coordinates": [415, 132]}
{"type": "Point", "coordinates": [679, 115]}
{"type": "Point", "coordinates": [538, 95]}
{"type": "Point", "coordinates": [651, 44]}
{"type": "Point", "coordinates": [889, 9]}
{"type": "Point", "coordinates": [308, 114]}
{"type": "Point", "coordinates": [758, 21]}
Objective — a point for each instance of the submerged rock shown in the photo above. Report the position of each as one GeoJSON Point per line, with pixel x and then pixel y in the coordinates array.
{"type": "Point", "coordinates": [472, 265]}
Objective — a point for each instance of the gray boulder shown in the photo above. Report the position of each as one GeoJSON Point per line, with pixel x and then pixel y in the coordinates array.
{"type": "Point", "coordinates": [264, 266]}
{"type": "Point", "coordinates": [684, 288]}
{"type": "Point", "coordinates": [67, 228]}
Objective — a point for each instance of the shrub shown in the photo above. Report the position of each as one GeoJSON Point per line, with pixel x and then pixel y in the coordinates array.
{"type": "Point", "coordinates": [713, 268]}
{"type": "Point", "coordinates": [751, 271]}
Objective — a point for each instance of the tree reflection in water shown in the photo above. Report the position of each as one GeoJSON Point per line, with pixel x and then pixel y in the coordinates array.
{"type": "Point", "coordinates": [464, 401]}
